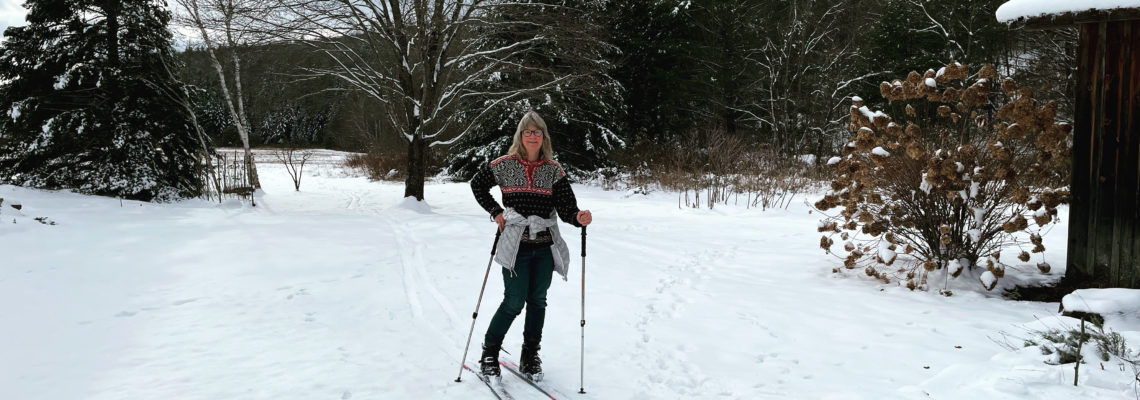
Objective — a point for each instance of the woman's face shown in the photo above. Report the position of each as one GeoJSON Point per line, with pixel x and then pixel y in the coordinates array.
{"type": "Point", "coordinates": [532, 140]}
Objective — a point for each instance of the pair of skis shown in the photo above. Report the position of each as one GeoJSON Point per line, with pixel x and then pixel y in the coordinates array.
{"type": "Point", "coordinates": [500, 393]}
{"type": "Point", "coordinates": [499, 390]}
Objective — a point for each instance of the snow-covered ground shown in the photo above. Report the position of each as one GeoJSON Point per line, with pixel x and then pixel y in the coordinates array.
{"type": "Point", "coordinates": [346, 290]}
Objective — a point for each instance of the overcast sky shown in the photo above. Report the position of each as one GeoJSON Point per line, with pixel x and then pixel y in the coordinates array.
{"type": "Point", "coordinates": [11, 13]}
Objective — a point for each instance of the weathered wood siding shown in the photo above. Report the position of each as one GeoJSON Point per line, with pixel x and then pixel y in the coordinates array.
{"type": "Point", "coordinates": [1104, 231]}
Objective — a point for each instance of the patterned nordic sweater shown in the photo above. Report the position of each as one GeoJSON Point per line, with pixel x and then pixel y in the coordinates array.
{"type": "Point", "coordinates": [531, 188]}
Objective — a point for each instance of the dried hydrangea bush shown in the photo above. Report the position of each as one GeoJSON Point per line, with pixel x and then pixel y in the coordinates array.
{"type": "Point", "coordinates": [973, 166]}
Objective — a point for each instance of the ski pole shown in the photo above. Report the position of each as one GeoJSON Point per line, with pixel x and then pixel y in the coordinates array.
{"type": "Point", "coordinates": [474, 315]}
{"type": "Point", "coordinates": [582, 364]}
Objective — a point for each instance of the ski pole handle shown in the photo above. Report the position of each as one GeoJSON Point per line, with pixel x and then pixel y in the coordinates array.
{"type": "Point", "coordinates": [583, 242]}
{"type": "Point", "coordinates": [495, 246]}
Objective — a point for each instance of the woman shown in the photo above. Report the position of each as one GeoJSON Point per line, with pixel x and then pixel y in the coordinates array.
{"type": "Point", "coordinates": [530, 249]}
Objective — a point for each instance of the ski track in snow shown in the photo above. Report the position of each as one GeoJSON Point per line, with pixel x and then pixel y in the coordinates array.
{"type": "Point", "coordinates": [417, 279]}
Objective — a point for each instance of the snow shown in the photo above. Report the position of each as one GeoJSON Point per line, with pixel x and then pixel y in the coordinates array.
{"type": "Point", "coordinates": [930, 82]}
{"type": "Point", "coordinates": [879, 151]}
{"type": "Point", "coordinates": [988, 278]}
{"type": "Point", "coordinates": [1104, 301]}
{"type": "Point", "coordinates": [410, 203]}
{"type": "Point", "coordinates": [834, 160]}
{"type": "Point", "coordinates": [886, 253]}
{"type": "Point", "coordinates": [975, 235]}
{"type": "Point", "coordinates": [1119, 307]}
{"type": "Point", "coordinates": [870, 114]}
{"type": "Point", "coordinates": [1014, 10]}
{"type": "Point", "coordinates": [1023, 374]}
{"type": "Point", "coordinates": [346, 289]}
{"type": "Point", "coordinates": [954, 266]}
{"type": "Point", "coordinates": [856, 98]}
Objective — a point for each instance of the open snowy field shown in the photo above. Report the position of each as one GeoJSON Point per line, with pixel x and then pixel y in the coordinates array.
{"type": "Point", "coordinates": [345, 290]}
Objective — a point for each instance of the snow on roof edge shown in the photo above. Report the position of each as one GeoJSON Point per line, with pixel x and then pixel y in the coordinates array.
{"type": "Point", "coordinates": [1014, 10]}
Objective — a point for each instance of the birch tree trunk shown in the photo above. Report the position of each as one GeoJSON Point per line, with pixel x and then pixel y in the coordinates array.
{"type": "Point", "coordinates": [233, 100]}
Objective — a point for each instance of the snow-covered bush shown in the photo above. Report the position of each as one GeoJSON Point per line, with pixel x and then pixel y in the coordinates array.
{"type": "Point", "coordinates": [972, 166]}
{"type": "Point", "coordinates": [1063, 344]}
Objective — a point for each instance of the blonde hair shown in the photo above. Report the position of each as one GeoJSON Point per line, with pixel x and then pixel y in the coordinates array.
{"type": "Point", "coordinates": [531, 118]}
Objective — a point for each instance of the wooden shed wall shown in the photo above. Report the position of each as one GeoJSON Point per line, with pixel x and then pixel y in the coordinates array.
{"type": "Point", "coordinates": [1104, 228]}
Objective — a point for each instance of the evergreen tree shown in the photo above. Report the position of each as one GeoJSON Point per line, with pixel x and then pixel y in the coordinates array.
{"type": "Point", "coordinates": [581, 109]}
{"type": "Point", "coordinates": [913, 33]}
{"type": "Point", "coordinates": [91, 105]}
{"type": "Point", "coordinates": [655, 67]}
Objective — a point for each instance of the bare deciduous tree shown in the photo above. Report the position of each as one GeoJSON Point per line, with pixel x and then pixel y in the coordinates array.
{"type": "Point", "coordinates": [769, 64]}
{"type": "Point", "coordinates": [811, 50]}
{"type": "Point", "coordinates": [228, 24]}
{"type": "Point", "coordinates": [425, 61]}
{"type": "Point", "coordinates": [180, 95]}
{"type": "Point", "coordinates": [294, 162]}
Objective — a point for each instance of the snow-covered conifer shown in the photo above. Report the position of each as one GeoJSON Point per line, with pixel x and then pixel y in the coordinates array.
{"type": "Point", "coordinates": [87, 104]}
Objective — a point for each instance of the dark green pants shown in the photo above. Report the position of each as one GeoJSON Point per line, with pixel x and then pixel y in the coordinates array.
{"type": "Point", "coordinates": [533, 271]}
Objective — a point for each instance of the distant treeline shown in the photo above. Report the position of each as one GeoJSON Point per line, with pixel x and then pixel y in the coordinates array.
{"type": "Point", "coordinates": [776, 73]}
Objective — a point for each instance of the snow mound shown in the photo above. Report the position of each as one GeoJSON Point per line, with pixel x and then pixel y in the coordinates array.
{"type": "Point", "coordinates": [410, 203]}
{"type": "Point", "coordinates": [1014, 10]}
{"type": "Point", "coordinates": [1026, 373]}
{"type": "Point", "coordinates": [1103, 301]}
{"type": "Point", "coordinates": [15, 218]}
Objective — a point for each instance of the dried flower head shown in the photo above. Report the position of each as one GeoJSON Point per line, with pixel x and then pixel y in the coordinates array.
{"type": "Point", "coordinates": [929, 265]}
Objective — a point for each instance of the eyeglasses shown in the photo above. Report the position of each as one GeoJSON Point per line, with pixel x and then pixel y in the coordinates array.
{"type": "Point", "coordinates": [528, 132]}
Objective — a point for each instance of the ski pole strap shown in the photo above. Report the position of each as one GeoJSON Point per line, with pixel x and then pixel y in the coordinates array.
{"type": "Point", "coordinates": [583, 241]}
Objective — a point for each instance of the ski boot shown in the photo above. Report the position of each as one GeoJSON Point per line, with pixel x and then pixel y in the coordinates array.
{"type": "Point", "coordinates": [530, 365]}
{"type": "Point", "coordinates": [489, 363]}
